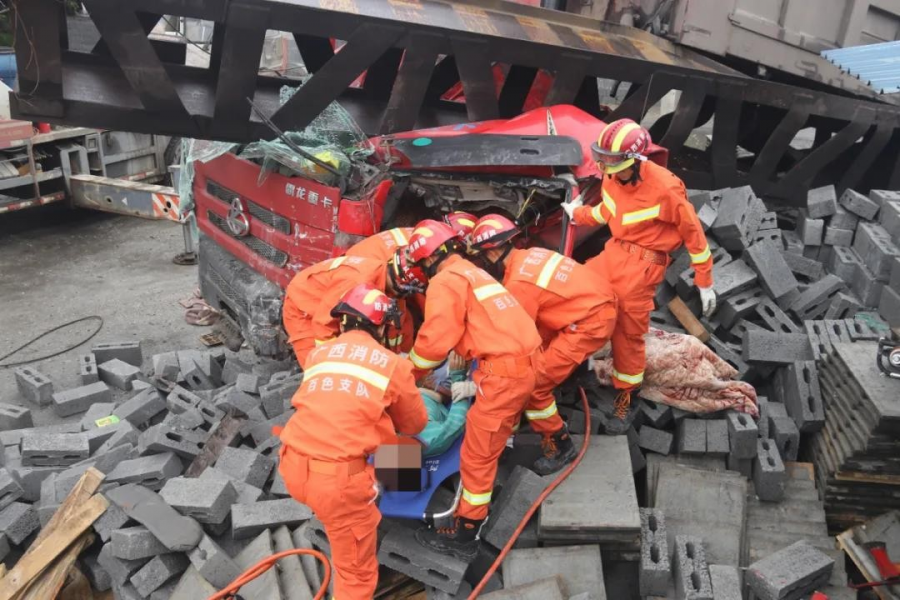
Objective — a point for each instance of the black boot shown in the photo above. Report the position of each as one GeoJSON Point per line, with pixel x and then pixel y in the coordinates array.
{"type": "Point", "coordinates": [459, 540]}
{"type": "Point", "coordinates": [558, 452]}
{"type": "Point", "coordinates": [623, 413]}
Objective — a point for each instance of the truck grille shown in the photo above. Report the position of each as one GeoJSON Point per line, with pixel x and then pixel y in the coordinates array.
{"type": "Point", "coordinates": [270, 253]}
{"type": "Point", "coordinates": [229, 292]}
{"type": "Point", "coordinates": [265, 215]}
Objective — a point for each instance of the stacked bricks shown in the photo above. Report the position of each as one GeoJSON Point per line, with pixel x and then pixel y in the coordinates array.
{"type": "Point", "coordinates": [655, 568]}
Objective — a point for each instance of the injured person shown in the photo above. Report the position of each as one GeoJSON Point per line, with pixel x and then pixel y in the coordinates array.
{"type": "Point", "coordinates": [446, 424]}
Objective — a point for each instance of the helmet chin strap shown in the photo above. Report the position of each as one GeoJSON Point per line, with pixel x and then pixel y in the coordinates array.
{"type": "Point", "coordinates": [497, 268]}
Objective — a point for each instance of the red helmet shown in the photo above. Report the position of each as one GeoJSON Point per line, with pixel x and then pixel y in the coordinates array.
{"type": "Point", "coordinates": [492, 231]}
{"type": "Point", "coordinates": [406, 277]}
{"type": "Point", "coordinates": [619, 145]}
{"type": "Point", "coordinates": [461, 222]}
{"type": "Point", "coordinates": [428, 238]}
{"type": "Point", "coordinates": [367, 304]}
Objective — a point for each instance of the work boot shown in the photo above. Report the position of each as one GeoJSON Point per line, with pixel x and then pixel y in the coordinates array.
{"type": "Point", "coordinates": [459, 540]}
{"type": "Point", "coordinates": [558, 452]}
{"type": "Point", "coordinates": [621, 419]}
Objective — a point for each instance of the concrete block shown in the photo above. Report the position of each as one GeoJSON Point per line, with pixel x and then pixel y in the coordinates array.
{"type": "Point", "coordinates": [789, 573]}
{"type": "Point", "coordinates": [248, 520]}
{"type": "Point", "coordinates": [114, 518]}
{"type": "Point", "coordinates": [186, 421]}
{"type": "Point", "coordinates": [124, 433]}
{"type": "Point", "coordinates": [767, 236]}
{"type": "Point", "coordinates": [843, 263]}
{"type": "Point", "coordinates": [135, 543]}
{"type": "Point", "coordinates": [744, 466]}
{"type": "Point", "coordinates": [118, 570]}
{"type": "Point", "coordinates": [843, 306]}
{"type": "Point", "coordinates": [96, 575]}
{"type": "Point", "coordinates": [550, 588]}
{"type": "Point", "coordinates": [515, 498]}
{"type": "Point", "coordinates": [129, 352]}
{"type": "Point", "coordinates": [894, 279]}
{"type": "Point", "coordinates": [742, 434]}
{"type": "Point", "coordinates": [166, 367]}
{"type": "Point", "coordinates": [876, 249]}
{"type": "Point", "coordinates": [400, 551]}
{"type": "Point", "coordinates": [205, 500]}
{"type": "Point", "coordinates": [866, 286]}
{"type": "Point", "coordinates": [810, 231]}
{"type": "Point", "coordinates": [730, 355]}
{"type": "Point", "coordinates": [889, 307]}
{"type": "Point", "coordinates": [739, 215]}
{"type": "Point", "coordinates": [691, 571]}
{"type": "Point", "coordinates": [181, 400]}
{"type": "Point", "coordinates": [813, 302]}
{"type": "Point", "coordinates": [165, 592]}
{"type": "Point", "coordinates": [276, 395]}
{"type": "Point", "coordinates": [655, 440]}
{"type": "Point", "coordinates": [792, 242]}
{"type": "Point", "coordinates": [149, 471]}
{"type": "Point", "coordinates": [87, 369]}
{"type": "Point", "coordinates": [707, 215]}
{"type": "Point", "coordinates": [840, 238]}
{"type": "Point", "coordinates": [160, 438]}
{"type": "Point", "coordinates": [655, 569]}
{"type": "Point", "coordinates": [821, 202]}
{"type": "Point", "coordinates": [77, 400]}
{"type": "Point", "coordinates": [844, 219]}
{"type": "Point", "coordinates": [740, 305]}
{"type": "Point", "coordinates": [246, 493]}
{"type": "Point", "coordinates": [775, 318]}
{"type": "Point", "coordinates": [774, 274]}
{"type": "Point", "coordinates": [579, 567]}
{"type": "Point", "coordinates": [141, 407]}
{"type": "Point", "coordinates": [10, 489]}
{"type": "Point", "coordinates": [267, 586]}
{"type": "Point", "coordinates": [880, 197]}
{"type": "Point", "coordinates": [96, 415]}
{"type": "Point", "coordinates": [157, 572]}
{"type": "Point", "coordinates": [726, 582]}
{"type": "Point", "coordinates": [192, 363]}
{"type": "Point", "coordinates": [34, 386]}
{"type": "Point", "coordinates": [769, 476]}
{"type": "Point", "coordinates": [53, 449]}
{"type": "Point", "coordinates": [17, 521]}
{"type": "Point", "coordinates": [717, 437]}
{"type": "Point", "coordinates": [248, 383]}
{"type": "Point", "coordinates": [192, 586]}
{"type": "Point", "coordinates": [655, 414]}
{"type": "Point", "coordinates": [176, 532]}
{"type": "Point", "coordinates": [786, 435]}
{"type": "Point", "coordinates": [692, 436]}
{"type": "Point", "coordinates": [772, 347]}
{"type": "Point", "coordinates": [858, 204]}
{"type": "Point", "coordinates": [118, 373]}
{"type": "Point", "coordinates": [799, 384]}
{"type": "Point", "coordinates": [213, 563]}
{"type": "Point", "coordinates": [245, 465]}
{"type": "Point", "coordinates": [237, 401]}
{"type": "Point", "coordinates": [808, 268]}
{"type": "Point", "coordinates": [733, 278]}
{"type": "Point", "coordinates": [15, 417]}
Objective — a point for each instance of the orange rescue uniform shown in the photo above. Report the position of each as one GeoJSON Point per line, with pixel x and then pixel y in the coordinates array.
{"type": "Point", "coordinates": [382, 245]}
{"type": "Point", "coordinates": [647, 220]}
{"type": "Point", "coordinates": [468, 311]}
{"type": "Point", "coordinates": [355, 396]}
{"type": "Point", "coordinates": [568, 302]}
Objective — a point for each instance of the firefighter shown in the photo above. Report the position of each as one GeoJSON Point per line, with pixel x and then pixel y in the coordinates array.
{"type": "Point", "coordinates": [649, 216]}
{"type": "Point", "coordinates": [313, 292]}
{"type": "Point", "coordinates": [573, 310]}
{"type": "Point", "coordinates": [468, 311]}
{"type": "Point", "coordinates": [355, 396]}
{"type": "Point", "coordinates": [382, 245]}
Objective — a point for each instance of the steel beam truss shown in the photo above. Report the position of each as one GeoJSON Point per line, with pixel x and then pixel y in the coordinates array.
{"type": "Point", "coordinates": [412, 52]}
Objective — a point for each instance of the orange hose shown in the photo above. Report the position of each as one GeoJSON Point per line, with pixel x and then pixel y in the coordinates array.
{"type": "Point", "coordinates": [266, 564]}
{"type": "Point", "coordinates": [540, 499]}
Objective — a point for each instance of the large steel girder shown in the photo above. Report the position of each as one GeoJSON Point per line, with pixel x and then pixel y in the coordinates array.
{"type": "Point", "coordinates": [412, 52]}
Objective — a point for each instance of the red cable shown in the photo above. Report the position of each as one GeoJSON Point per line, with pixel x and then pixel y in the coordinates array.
{"type": "Point", "coordinates": [540, 499]}
{"type": "Point", "coordinates": [266, 564]}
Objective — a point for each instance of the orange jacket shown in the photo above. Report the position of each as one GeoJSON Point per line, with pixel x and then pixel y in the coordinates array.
{"type": "Point", "coordinates": [467, 310]}
{"type": "Point", "coordinates": [355, 396]}
{"type": "Point", "coordinates": [655, 214]}
{"type": "Point", "coordinates": [554, 290]}
{"type": "Point", "coordinates": [382, 245]}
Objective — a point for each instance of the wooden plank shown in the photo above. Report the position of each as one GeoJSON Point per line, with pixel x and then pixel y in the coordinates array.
{"type": "Point", "coordinates": [51, 581]}
{"type": "Point", "coordinates": [81, 493]}
{"type": "Point", "coordinates": [688, 320]}
{"type": "Point", "coordinates": [224, 434]}
{"type": "Point", "coordinates": [53, 545]}
{"type": "Point", "coordinates": [77, 587]}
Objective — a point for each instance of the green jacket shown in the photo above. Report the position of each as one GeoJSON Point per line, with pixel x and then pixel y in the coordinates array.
{"type": "Point", "coordinates": [444, 424]}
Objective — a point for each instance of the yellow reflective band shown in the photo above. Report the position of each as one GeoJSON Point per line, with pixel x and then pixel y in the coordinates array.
{"type": "Point", "coordinates": [476, 499]}
{"type": "Point", "coordinates": [543, 279]}
{"type": "Point", "coordinates": [320, 342]}
{"type": "Point", "coordinates": [516, 426]}
{"type": "Point", "coordinates": [598, 216]}
{"type": "Point", "coordinates": [398, 236]}
{"type": "Point", "coordinates": [487, 291]}
{"type": "Point", "coordinates": [337, 262]}
{"type": "Point", "coordinates": [640, 215]}
{"type": "Point", "coordinates": [338, 368]}
{"type": "Point", "coordinates": [423, 363]}
{"type": "Point", "coordinates": [396, 340]}
{"type": "Point", "coordinates": [609, 202]}
{"type": "Point", "coordinates": [701, 257]}
{"type": "Point", "coordinates": [620, 137]}
{"type": "Point", "coordinates": [537, 415]}
{"type": "Point", "coordinates": [466, 222]}
{"type": "Point", "coordinates": [632, 379]}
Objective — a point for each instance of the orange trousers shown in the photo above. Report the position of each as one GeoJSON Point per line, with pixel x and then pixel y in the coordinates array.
{"type": "Point", "coordinates": [561, 356]}
{"type": "Point", "coordinates": [503, 389]}
{"type": "Point", "coordinates": [345, 503]}
{"type": "Point", "coordinates": [633, 279]}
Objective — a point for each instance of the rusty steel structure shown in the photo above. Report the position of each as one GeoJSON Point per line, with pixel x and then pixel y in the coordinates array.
{"type": "Point", "coordinates": [412, 51]}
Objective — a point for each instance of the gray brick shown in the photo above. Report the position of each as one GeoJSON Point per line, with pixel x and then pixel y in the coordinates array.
{"type": "Point", "coordinates": [550, 588]}
{"type": "Point", "coordinates": [739, 215]}
{"type": "Point", "coordinates": [192, 586]}
{"type": "Point", "coordinates": [784, 431]}
{"type": "Point", "coordinates": [160, 438]}
{"type": "Point", "coordinates": [775, 318]}
{"type": "Point", "coordinates": [181, 400]}
{"type": "Point", "coordinates": [799, 386]}
{"type": "Point", "coordinates": [518, 493]}
{"type": "Point", "coordinates": [789, 573]}
{"type": "Point", "coordinates": [149, 471]}
{"type": "Point", "coordinates": [165, 592]}
{"type": "Point", "coordinates": [655, 569]}
{"type": "Point", "coordinates": [53, 449]}
{"type": "Point", "coordinates": [112, 519]}
{"type": "Point", "coordinates": [655, 440]}
{"type": "Point", "coordinates": [657, 415]}
{"type": "Point", "coordinates": [246, 493]}
{"type": "Point", "coordinates": [248, 383]}
{"type": "Point", "coordinates": [77, 400]}
{"type": "Point", "coordinates": [135, 543]}
{"type": "Point", "coordinates": [118, 570]}
{"type": "Point", "coordinates": [157, 572]}
{"type": "Point", "coordinates": [775, 276]}
{"type": "Point", "coordinates": [843, 306]}
{"type": "Point", "coordinates": [14, 417]}
{"type": "Point", "coordinates": [237, 401]}
{"type": "Point", "coordinates": [233, 367]}
{"type": "Point", "coordinates": [118, 373]}
{"type": "Point", "coordinates": [166, 367]}
{"type": "Point", "coordinates": [866, 285]}
{"type": "Point", "coordinates": [213, 563]}
{"type": "Point", "coordinates": [733, 278]}
{"type": "Point", "coordinates": [248, 520]}
{"type": "Point", "coordinates": [302, 538]}
{"type": "Point", "coordinates": [880, 197]}
{"type": "Point", "coordinates": [185, 421]}
{"type": "Point", "coordinates": [858, 204]}
{"type": "Point", "coordinates": [843, 219]}
{"type": "Point", "coordinates": [691, 436]}
{"type": "Point", "coordinates": [738, 306]}
{"type": "Point", "coordinates": [245, 465]}
{"type": "Point", "coordinates": [98, 411]}
{"type": "Point", "coordinates": [691, 572]}
{"type": "Point", "coordinates": [34, 386]}
{"type": "Point", "coordinates": [17, 521]}
{"type": "Point", "coordinates": [278, 489]}
{"type": "Point", "coordinates": [276, 395]}
{"type": "Point", "coordinates": [836, 237]}
{"type": "Point", "coordinates": [267, 586]}
{"type": "Point", "coordinates": [87, 369]}
{"type": "Point", "coordinates": [889, 307]}
{"type": "Point", "coordinates": [141, 407]}
{"type": "Point", "coordinates": [769, 476]}
{"type": "Point", "coordinates": [124, 433]}
{"type": "Point", "coordinates": [744, 466]}
{"type": "Point", "coordinates": [843, 263]}
{"type": "Point", "coordinates": [742, 434]}
{"type": "Point", "coordinates": [192, 363]}
{"type": "Point", "coordinates": [129, 352]}
{"type": "Point", "coordinates": [205, 500]}
{"type": "Point", "coordinates": [717, 437]}
{"type": "Point", "coordinates": [810, 231]}
{"type": "Point", "coordinates": [730, 355]}
{"type": "Point", "coordinates": [894, 280]}
{"type": "Point", "coordinates": [726, 582]}
{"type": "Point", "coordinates": [821, 202]}
{"type": "Point", "coordinates": [876, 249]}
{"type": "Point", "coordinates": [813, 302]}
{"type": "Point", "coordinates": [805, 267]}
{"type": "Point", "coordinates": [10, 489]}
{"type": "Point", "coordinates": [580, 568]}
{"type": "Point", "coordinates": [772, 347]}
{"type": "Point", "coordinates": [767, 236]}
{"type": "Point", "coordinates": [176, 532]}
{"type": "Point", "coordinates": [96, 574]}
{"type": "Point", "coordinates": [792, 242]}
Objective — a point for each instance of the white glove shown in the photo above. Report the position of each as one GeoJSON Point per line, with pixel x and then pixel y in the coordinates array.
{"type": "Point", "coordinates": [462, 390]}
{"type": "Point", "coordinates": [570, 207]}
{"type": "Point", "coordinates": [568, 178]}
{"type": "Point", "coordinates": [708, 301]}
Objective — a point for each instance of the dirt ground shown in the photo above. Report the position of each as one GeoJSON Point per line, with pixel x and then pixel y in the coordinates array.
{"type": "Point", "coordinates": [57, 265]}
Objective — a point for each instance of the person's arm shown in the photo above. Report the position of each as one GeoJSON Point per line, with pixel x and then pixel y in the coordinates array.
{"type": "Point", "coordinates": [439, 436]}
{"type": "Point", "coordinates": [293, 318]}
{"type": "Point", "coordinates": [444, 325]}
{"type": "Point", "coordinates": [685, 219]}
{"type": "Point", "coordinates": [406, 409]}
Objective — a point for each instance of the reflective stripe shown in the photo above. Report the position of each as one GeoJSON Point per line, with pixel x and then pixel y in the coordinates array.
{"type": "Point", "coordinates": [337, 262]}
{"type": "Point", "coordinates": [632, 379]}
{"type": "Point", "coordinates": [320, 342]}
{"type": "Point", "coordinates": [598, 216]}
{"type": "Point", "coordinates": [640, 215]}
{"type": "Point", "coordinates": [423, 363]}
{"type": "Point", "coordinates": [338, 368]}
{"type": "Point", "coordinates": [701, 257]}
{"type": "Point", "coordinates": [543, 279]}
{"type": "Point", "coordinates": [476, 499]}
{"type": "Point", "coordinates": [609, 202]}
{"type": "Point", "coordinates": [396, 340]}
{"type": "Point", "coordinates": [620, 137]}
{"type": "Point", "coordinates": [398, 236]}
{"type": "Point", "coordinates": [536, 415]}
{"type": "Point", "coordinates": [486, 291]}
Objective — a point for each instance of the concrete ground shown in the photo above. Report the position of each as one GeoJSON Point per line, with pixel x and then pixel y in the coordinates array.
{"type": "Point", "coordinates": [57, 265]}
